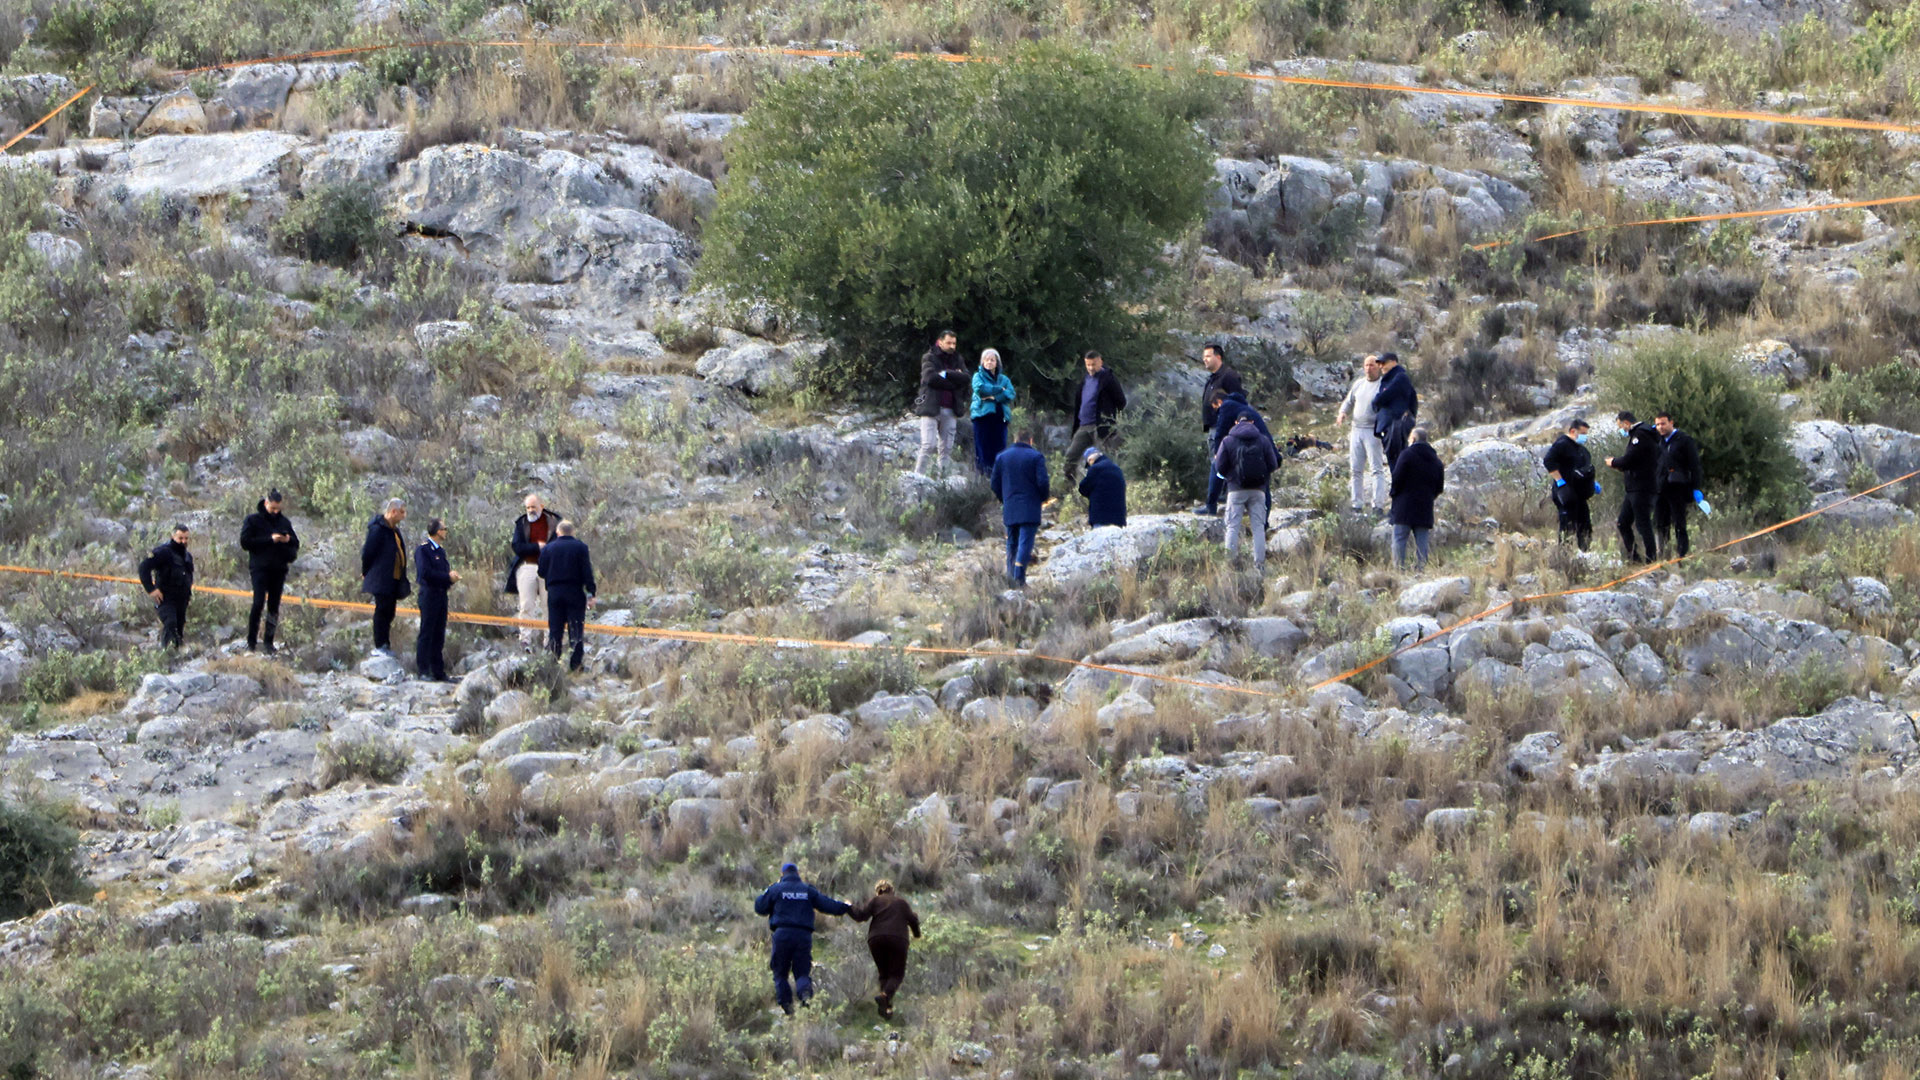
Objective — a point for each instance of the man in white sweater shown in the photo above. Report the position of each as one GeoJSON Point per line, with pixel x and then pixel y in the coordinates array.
{"type": "Point", "coordinates": [1366, 454]}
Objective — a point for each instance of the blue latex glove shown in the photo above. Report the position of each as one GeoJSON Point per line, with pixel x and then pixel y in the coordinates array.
{"type": "Point", "coordinates": [1698, 497]}
{"type": "Point", "coordinates": [1557, 482]}
{"type": "Point", "coordinates": [1596, 487]}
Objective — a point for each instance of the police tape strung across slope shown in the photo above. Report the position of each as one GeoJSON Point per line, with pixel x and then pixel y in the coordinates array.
{"type": "Point", "coordinates": [713, 638]}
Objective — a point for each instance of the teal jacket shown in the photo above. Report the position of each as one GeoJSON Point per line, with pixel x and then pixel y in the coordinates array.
{"type": "Point", "coordinates": [992, 394]}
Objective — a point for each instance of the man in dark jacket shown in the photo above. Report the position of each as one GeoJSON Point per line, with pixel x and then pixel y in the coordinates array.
{"type": "Point", "coordinates": [1395, 404]}
{"type": "Point", "coordinates": [436, 577]}
{"type": "Point", "coordinates": [383, 571]}
{"type": "Point", "coordinates": [567, 568]}
{"type": "Point", "coordinates": [167, 575]}
{"type": "Point", "coordinates": [1571, 468]}
{"type": "Point", "coordinates": [892, 917]}
{"type": "Point", "coordinates": [1105, 487]}
{"type": "Point", "coordinates": [943, 378]}
{"type": "Point", "coordinates": [1096, 403]}
{"type": "Point", "coordinates": [1019, 481]}
{"type": "Point", "coordinates": [1678, 481]}
{"type": "Point", "coordinates": [1245, 464]}
{"type": "Point", "coordinates": [1639, 467]}
{"type": "Point", "coordinates": [271, 545]}
{"type": "Point", "coordinates": [1221, 381]}
{"type": "Point", "coordinates": [1418, 479]}
{"type": "Point", "coordinates": [1229, 409]}
{"type": "Point", "coordinates": [788, 905]}
{"type": "Point", "coordinates": [531, 532]}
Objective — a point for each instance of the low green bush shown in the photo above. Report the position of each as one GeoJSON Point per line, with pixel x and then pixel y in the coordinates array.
{"type": "Point", "coordinates": [37, 859]}
{"type": "Point", "coordinates": [334, 223]}
{"type": "Point", "coordinates": [1887, 394]}
{"type": "Point", "coordinates": [1160, 444]}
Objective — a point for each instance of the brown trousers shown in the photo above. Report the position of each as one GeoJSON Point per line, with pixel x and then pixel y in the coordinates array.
{"type": "Point", "coordinates": [889, 961]}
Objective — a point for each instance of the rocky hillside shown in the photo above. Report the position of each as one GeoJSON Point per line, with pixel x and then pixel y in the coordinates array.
{"type": "Point", "coordinates": [1663, 829]}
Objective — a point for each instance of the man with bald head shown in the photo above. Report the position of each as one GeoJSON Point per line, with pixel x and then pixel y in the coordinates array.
{"type": "Point", "coordinates": [532, 531]}
{"type": "Point", "coordinates": [568, 570]}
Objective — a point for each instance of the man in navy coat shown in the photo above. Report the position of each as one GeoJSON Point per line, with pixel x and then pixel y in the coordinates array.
{"type": "Point", "coordinates": [1105, 487]}
{"type": "Point", "coordinates": [383, 571]}
{"type": "Point", "coordinates": [567, 568]}
{"type": "Point", "coordinates": [436, 577]}
{"type": "Point", "coordinates": [1020, 483]}
{"type": "Point", "coordinates": [788, 905]}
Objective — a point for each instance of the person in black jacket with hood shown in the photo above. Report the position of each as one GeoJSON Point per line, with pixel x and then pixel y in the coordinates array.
{"type": "Point", "coordinates": [437, 575]}
{"type": "Point", "coordinates": [1638, 482]}
{"type": "Point", "coordinates": [383, 571]}
{"type": "Point", "coordinates": [1571, 467]}
{"type": "Point", "coordinates": [788, 905]}
{"type": "Point", "coordinates": [271, 545]}
{"type": "Point", "coordinates": [1679, 479]}
{"type": "Point", "coordinates": [1418, 479]}
{"type": "Point", "coordinates": [1105, 487]}
{"type": "Point", "coordinates": [1395, 404]}
{"type": "Point", "coordinates": [1097, 401]}
{"type": "Point", "coordinates": [167, 575]}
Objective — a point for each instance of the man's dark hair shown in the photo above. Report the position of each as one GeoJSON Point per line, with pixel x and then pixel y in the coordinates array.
{"type": "Point", "coordinates": [1219, 398]}
{"type": "Point", "coordinates": [1623, 414]}
{"type": "Point", "coordinates": [434, 525]}
{"type": "Point", "coordinates": [1389, 357]}
{"type": "Point", "coordinates": [942, 335]}
{"type": "Point", "coordinates": [1579, 424]}
{"type": "Point", "coordinates": [1092, 354]}
{"type": "Point", "coordinates": [1219, 350]}
{"type": "Point", "coordinates": [178, 527]}
{"type": "Point", "coordinates": [1663, 415]}
{"type": "Point", "coordinates": [273, 495]}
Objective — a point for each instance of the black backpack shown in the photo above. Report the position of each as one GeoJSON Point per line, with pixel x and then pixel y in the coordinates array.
{"type": "Point", "coordinates": [1248, 466]}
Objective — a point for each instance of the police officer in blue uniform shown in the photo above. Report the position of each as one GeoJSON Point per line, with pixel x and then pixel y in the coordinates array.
{"type": "Point", "coordinates": [788, 905]}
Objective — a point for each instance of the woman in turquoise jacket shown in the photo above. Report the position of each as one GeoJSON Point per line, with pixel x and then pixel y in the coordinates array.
{"type": "Point", "coordinates": [992, 408]}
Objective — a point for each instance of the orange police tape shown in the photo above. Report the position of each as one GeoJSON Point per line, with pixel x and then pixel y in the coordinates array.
{"type": "Point", "coordinates": [1728, 216]}
{"type": "Point", "coordinates": [699, 636]}
{"type": "Point", "coordinates": [710, 638]}
{"type": "Point", "coordinates": [57, 110]}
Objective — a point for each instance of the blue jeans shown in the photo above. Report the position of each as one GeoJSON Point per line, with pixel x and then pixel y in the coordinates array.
{"type": "Point", "coordinates": [989, 438]}
{"type": "Point", "coordinates": [792, 952]}
{"type": "Point", "coordinates": [1400, 544]}
{"type": "Point", "coordinates": [1020, 550]}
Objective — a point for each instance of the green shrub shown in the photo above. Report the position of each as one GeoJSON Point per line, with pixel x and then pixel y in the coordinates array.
{"type": "Point", "coordinates": [37, 853]}
{"type": "Point", "coordinates": [62, 675]}
{"type": "Point", "coordinates": [731, 570]}
{"type": "Point", "coordinates": [1160, 443]}
{"type": "Point", "coordinates": [1887, 394]}
{"type": "Point", "coordinates": [1548, 10]}
{"type": "Point", "coordinates": [1025, 204]}
{"type": "Point", "coordinates": [1739, 426]}
{"type": "Point", "coordinates": [380, 761]}
{"type": "Point", "coordinates": [334, 223]}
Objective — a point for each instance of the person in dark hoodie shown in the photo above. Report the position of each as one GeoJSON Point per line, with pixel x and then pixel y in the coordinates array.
{"type": "Point", "coordinates": [1105, 487]}
{"type": "Point", "coordinates": [1020, 482]}
{"type": "Point", "coordinates": [567, 568]}
{"type": "Point", "coordinates": [436, 577]}
{"type": "Point", "coordinates": [1395, 404]}
{"type": "Point", "coordinates": [1229, 409]}
{"type": "Point", "coordinates": [383, 571]}
{"type": "Point", "coordinates": [1638, 467]}
{"type": "Point", "coordinates": [788, 905]}
{"type": "Point", "coordinates": [1245, 464]}
{"type": "Point", "coordinates": [1570, 467]}
{"type": "Point", "coordinates": [889, 918]}
{"type": "Point", "coordinates": [943, 379]}
{"type": "Point", "coordinates": [1678, 479]}
{"type": "Point", "coordinates": [531, 532]}
{"type": "Point", "coordinates": [167, 575]}
{"type": "Point", "coordinates": [1096, 403]}
{"type": "Point", "coordinates": [1222, 379]}
{"type": "Point", "coordinates": [271, 545]}
{"type": "Point", "coordinates": [1418, 479]}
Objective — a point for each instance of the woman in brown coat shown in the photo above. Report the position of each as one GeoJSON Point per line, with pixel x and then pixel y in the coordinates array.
{"type": "Point", "coordinates": [891, 918]}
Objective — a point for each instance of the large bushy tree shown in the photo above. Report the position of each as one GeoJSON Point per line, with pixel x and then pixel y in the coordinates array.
{"type": "Point", "coordinates": [1025, 204]}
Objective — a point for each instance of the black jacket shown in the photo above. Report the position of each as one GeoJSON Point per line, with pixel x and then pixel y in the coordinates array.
{"type": "Point", "coordinates": [566, 566]}
{"type": "Point", "coordinates": [1679, 468]}
{"type": "Point", "coordinates": [789, 904]}
{"type": "Point", "coordinates": [1418, 479]}
{"type": "Point", "coordinates": [1231, 410]}
{"type": "Point", "coordinates": [1639, 461]}
{"type": "Point", "coordinates": [169, 569]}
{"type": "Point", "coordinates": [436, 574]}
{"type": "Point", "coordinates": [1244, 439]}
{"type": "Point", "coordinates": [256, 539]}
{"type": "Point", "coordinates": [1574, 464]}
{"type": "Point", "coordinates": [1105, 487]}
{"type": "Point", "coordinates": [940, 371]}
{"type": "Point", "coordinates": [385, 547]}
{"type": "Point", "coordinates": [526, 550]}
{"type": "Point", "coordinates": [1108, 400]}
{"type": "Point", "coordinates": [1395, 401]}
{"type": "Point", "coordinates": [1224, 381]}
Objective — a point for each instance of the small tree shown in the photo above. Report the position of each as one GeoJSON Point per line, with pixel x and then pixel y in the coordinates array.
{"type": "Point", "coordinates": [37, 860]}
{"type": "Point", "coordinates": [1739, 426]}
{"type": "Point", "coordinates": [334, 223]}
{"type": "Point", "coordinates": [1025, 204]}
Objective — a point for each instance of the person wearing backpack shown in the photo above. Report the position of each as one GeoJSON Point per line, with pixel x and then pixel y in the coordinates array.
{"type": "Point", "coordinates": [1245, 462]}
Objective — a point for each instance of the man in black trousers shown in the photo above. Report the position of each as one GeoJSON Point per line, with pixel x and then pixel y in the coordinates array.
{"type": "Point", "coordinates": [271, 545]}
{"type": "Point", "coordinates": [436, 577]}
{"type": "Point", "coordinates": [567, 568]}
{"type": "Point", "coordinates": [167, 575]}
{"type": "Point", "coordinates": [1679, 480]}
{"type": "Point", "coordinates": [383, 571]}
{"type": "Point", "coordinates": [1637, 481]}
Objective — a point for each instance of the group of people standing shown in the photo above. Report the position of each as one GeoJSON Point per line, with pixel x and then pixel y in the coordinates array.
{"type": "Point", "coordinates": [1395, 470]}
{"type": "Point", "coordinates": [1661, 476]}
{"type": "Point", "coordinates": [548, 567]}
